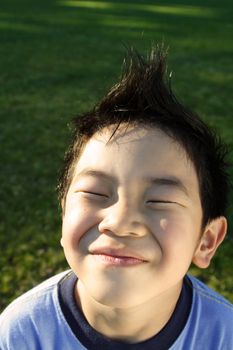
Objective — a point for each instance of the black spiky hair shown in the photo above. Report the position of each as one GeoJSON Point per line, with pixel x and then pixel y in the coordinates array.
{"type": "Point", "coordinates": [143, 96]}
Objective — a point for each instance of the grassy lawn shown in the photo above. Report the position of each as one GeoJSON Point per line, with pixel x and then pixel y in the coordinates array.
{"type": "Point", "coordinates": [56, 59]}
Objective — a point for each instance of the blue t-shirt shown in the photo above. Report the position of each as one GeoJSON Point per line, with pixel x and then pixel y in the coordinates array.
{"type": "Point", "coordinates": [42, 319]}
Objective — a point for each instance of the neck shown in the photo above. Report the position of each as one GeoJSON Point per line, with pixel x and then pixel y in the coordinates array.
{"type": "Point", "coordinates": [148, 318]}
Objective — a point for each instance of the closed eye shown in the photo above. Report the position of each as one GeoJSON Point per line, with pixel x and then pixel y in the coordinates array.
{"type": "Point", "coordinates": [164, 202]}
{"type": "Point", "coordinates": [94, 194]}
{"type": "Point", "coordinates": [161, 201]}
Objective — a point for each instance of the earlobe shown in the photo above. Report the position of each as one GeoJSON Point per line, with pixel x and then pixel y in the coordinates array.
{"type": "Point", "coordinates": [61, 242]}
{"type": "Point", "coordinates": [212, 237]}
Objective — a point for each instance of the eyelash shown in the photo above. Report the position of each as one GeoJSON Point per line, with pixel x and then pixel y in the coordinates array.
{"type": "Point", "coordinates": [160, 201]}
{"type": "Point", "coordinates": [95, 194]}
{"type": "Point", "coordinates": [103, 196]}
{"type": "Point", "coordinates": [165, 202]}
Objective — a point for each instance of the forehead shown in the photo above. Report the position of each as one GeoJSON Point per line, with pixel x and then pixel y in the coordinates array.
{"type": "Point", "coordinates": [136, 152]}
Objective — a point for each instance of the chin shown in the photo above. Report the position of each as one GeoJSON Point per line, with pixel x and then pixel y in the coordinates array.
{"type": "Point", "coordinates": [115, 297]}
{"type": "Point", "coordinates": [116, 302]}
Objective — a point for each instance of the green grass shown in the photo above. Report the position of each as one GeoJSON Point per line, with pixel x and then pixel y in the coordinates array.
{"type": "Point", "coordinates": [57, 58]}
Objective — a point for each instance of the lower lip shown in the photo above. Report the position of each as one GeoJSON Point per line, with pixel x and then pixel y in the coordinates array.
{"type": "Point", "coordinates": [117, 260]}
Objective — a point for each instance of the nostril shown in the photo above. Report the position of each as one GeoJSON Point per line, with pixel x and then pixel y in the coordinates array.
{"type": "Point", "coordinates": [122, 228]}
{"type": "Point", "coordinates": [122, 219]}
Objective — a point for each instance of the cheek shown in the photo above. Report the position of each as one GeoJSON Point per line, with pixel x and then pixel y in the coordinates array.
{"type": "Point", "coordinates": [76, 222]}
{"type": "Point", "coordinates": [177, 231]}
{"type": "Point", "coordinates": [177, 238]}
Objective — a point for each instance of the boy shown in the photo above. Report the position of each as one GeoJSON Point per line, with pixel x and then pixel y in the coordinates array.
{"type": "Point", "coordinates": [143, 195]}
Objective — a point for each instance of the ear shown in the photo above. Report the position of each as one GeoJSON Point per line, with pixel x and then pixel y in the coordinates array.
{"type": "Point", "coordinates": [212, 237]}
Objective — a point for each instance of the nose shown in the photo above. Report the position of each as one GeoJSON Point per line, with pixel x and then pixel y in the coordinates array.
{"type": "Point", "coordinates": [123, 219]}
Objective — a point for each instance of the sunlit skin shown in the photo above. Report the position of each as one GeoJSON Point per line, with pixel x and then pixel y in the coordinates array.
{"type": "Point", "coordinates": [131, 228]}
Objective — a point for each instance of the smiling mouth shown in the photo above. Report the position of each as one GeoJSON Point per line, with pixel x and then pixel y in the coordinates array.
{"type": "Point", "coordinates": [117, 260]}
{"type": "Point", "coordinates": [117, 257]}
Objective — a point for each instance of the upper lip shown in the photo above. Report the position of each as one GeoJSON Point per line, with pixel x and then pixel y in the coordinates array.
{"type": "Point", "coordinates": [117, 252]}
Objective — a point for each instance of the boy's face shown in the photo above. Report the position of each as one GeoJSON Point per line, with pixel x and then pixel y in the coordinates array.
{"type": "Point", "coordinates": [132, 217]}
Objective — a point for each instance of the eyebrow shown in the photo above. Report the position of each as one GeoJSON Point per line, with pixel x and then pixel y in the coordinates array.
{"type": "Point", "coordinates": [95, 173]}
{"type": "Point", "coordinates": [170, 182]}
